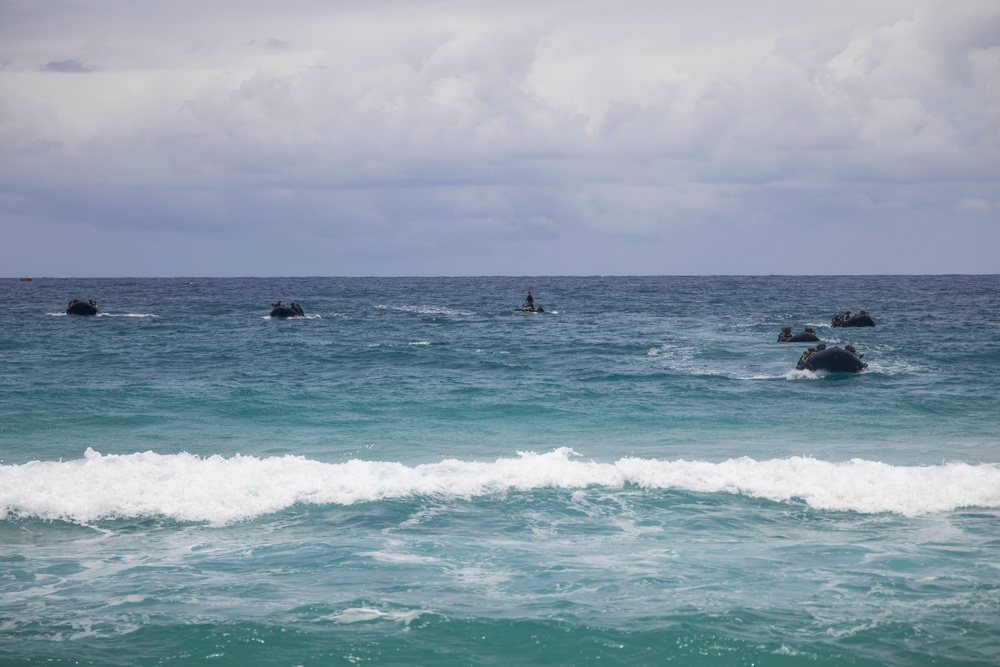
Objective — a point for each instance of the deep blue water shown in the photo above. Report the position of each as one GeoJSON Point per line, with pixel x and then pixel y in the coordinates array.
{"type": "Point", "coordinates": [417, 474]}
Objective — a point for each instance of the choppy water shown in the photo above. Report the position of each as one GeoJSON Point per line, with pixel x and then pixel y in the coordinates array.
{"type": "Point", "coordinates": [417, 474]}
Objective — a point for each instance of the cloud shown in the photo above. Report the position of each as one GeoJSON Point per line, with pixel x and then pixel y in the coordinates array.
{"type": "Point", "coordinates": [974, 205]}
{"type": "Point", "coordinates": [66, 67]}
{"type": "Point", "coordinates": [438, 130]}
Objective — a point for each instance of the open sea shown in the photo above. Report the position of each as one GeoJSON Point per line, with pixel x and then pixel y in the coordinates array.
{"type": "Point", "coordinates": [416, 474]}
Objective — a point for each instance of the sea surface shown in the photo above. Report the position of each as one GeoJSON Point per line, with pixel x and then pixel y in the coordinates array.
{"type": "Point", "coordinates": [416, 474]}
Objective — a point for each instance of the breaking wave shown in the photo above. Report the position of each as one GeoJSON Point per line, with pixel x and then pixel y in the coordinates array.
{"type": "Point", "coordinates": [219, 490]}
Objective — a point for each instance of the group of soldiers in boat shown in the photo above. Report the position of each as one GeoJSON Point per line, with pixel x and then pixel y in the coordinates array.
{"type": "Point", "coordinates": [786, 336]}
{"type": "Point", "coordinates": [279, 309]}
{"type": "Point", "coordinates": [845, 319]}
{"type": "Point", "coordinates": [77, 307]}
{"type": "Point", "coordinates": [847, 360]}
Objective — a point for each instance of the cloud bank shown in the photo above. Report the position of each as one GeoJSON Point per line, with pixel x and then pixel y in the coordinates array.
{"type": "Point", "coordinates": [430, 138]}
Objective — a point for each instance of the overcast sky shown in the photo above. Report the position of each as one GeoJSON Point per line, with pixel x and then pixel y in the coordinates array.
{"type": "Point", "coordinates": [370, 137]}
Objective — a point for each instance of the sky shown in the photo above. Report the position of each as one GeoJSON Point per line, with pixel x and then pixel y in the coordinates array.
{"type": "Point", "coordinates": [556, 137]}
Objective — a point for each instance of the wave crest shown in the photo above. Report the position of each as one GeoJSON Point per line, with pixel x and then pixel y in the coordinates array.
{"type": "Point", "coordinates": [219, 490]}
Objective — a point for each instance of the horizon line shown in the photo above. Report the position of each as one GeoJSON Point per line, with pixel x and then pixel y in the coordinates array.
{"type": "Point", "coordinates": [498, 275]}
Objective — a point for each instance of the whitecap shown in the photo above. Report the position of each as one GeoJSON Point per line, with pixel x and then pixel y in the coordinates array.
{"type": "Point", "coordinates": [219, 490]}
{"type": "Point", "coordinates": [372, 614]}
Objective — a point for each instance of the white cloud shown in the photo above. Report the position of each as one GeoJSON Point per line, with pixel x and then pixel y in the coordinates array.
{"type": "Point", "coordinates": [974, 205]}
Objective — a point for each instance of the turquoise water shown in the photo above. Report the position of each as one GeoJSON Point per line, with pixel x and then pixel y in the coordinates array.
{"type": "Point", "coordinates": [416, 474]}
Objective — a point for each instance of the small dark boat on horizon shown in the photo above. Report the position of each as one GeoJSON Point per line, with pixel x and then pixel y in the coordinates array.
{"type": "Point", "coordinates": [280, 311]}
{"type": "Point", "coordinates": [529, 305]}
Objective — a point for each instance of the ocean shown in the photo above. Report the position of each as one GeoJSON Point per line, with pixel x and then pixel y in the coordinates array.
{"type": "Point", "coordinates": [416, 474]}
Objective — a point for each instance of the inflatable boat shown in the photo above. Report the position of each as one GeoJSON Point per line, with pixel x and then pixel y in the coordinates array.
{"type": "Point", "coordinates": [833, 360]}
{"type": "Point", "coordinates": [280, 311]}
{"type": "Point", "coordinates": [77, 307]}
{"type": "Point", "coordinates": [860, 320]}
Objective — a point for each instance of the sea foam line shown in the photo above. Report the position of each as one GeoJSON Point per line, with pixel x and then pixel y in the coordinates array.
{"type": "Point", "coordinates": [218, 489]}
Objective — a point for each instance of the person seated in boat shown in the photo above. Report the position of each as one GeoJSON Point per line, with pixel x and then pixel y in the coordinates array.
{"type": "Point", "coordinates": [810, 351]}
{"type": "Point", "coordinates": [810, 330]}
{"type": "Point", "coordinates": [853, 350]}
{"type": "Point", "coordinates": [297, 309]}
{"type": "Point", "coordinates": [277, 304]}
{"type": "Point", "coordinates": [70, 304]}
{"type": "Point", "coordinates": [786, 333]}
{"type": "Point", "coordinates": [92, 302]}
{"type": "Point", "coordinates": [840, 318]}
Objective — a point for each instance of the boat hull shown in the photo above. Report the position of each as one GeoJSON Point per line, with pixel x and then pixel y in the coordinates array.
{"type": "Point", "coordinates": [834, 360]}
{"type": "Point", "coordinates": [81, 308]}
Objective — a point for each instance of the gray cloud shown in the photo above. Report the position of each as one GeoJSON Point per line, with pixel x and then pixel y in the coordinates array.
{"type": "Point", "coordinates": [576, 137]}
{"type": "Point", "coordinates": [66, 67]}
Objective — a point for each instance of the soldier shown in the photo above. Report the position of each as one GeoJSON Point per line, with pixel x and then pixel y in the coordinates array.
{"type": "Point", "coordinates": [809, 351]}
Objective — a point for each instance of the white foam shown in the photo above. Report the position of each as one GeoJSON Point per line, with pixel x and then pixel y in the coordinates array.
{"type": "Point", "coordinates": [399, 558]}
{"type": "Point", "coordinates": [795, 374]}
{"type": "Point", "coordinates": [219, 490]}
{"type": "Point", "coordinates": [140, 315]}
{"type": "Point", "coordinates": [428, 310]}
{"type": "Point", "coordinates": [371, 614]}
{"type": "Point", "coordinates": [683, 359]}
